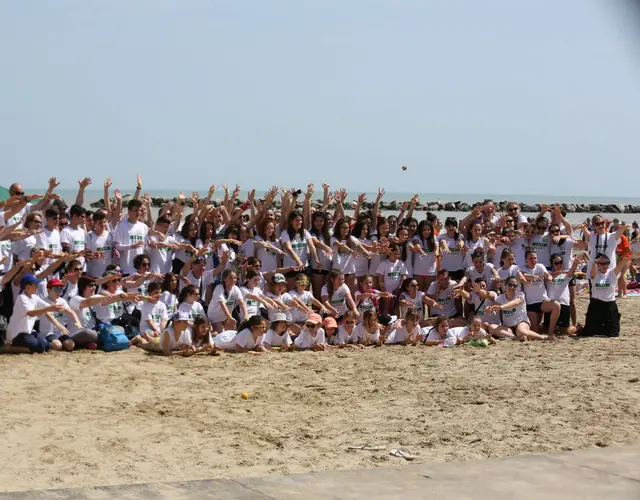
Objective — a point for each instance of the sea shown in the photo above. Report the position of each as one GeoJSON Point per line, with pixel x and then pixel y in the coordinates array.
{"type": "Point", "coordinates": [92, 195]}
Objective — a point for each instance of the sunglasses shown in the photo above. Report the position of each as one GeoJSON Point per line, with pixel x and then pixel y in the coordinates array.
{"type": "Point", "coordinates": [509, 220]}
{"type": "Point", "coordinates": [58, 289]}
{"type": "Point", "coordinates": [145, 264]}
{"type": "Point", "coordinates": [512, 285]}
{"type": "Point", "coordinates": [413, 285]}
{"type": "Point", "coordinates": [305, 282]}
{"type": "Point", "coordinates": [310, 325]}
{"type": "Point", "coordinates": [350, 322]}
{"type": "Point", "coordinates": [554, 231]}
{"type": "Point", "coordinates": [57, 217]}
{"type": "Point", "coordinates": [512, 209]}
{"type": "Point", "coordinates": [541, 228]}
{"type": "Point", "coordinates": [18, 193]}
{"type": "Point", "coordinates": [557, 263]}
{"type": "Point", "coordinates": [598, 224]}
{"type": "Point", "coordinates": [603, 263]}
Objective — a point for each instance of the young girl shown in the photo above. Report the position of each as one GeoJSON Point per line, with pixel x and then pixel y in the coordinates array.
{"type": "Point", "coordinates": [412, 299]}
{"type": "Point", "coordinates": [367, 333]}
{"type": "Point", "coordinates": [425, 255]}
{"type": "Point", "coordinates": [248, 339]}
{"type": "Point", "coordinates": [405, 331]}
{"type": "Point", "coordinates": [278, 334]}
{"type": "Point", "coordinates": [440, 334]}
{"type": "Point", "coordinates": [451, 244]}
{"type": "Point", "coordinates": [188, 301]}
{"type": "Point", "coordinates": [267, 246]}
{"type": "Point", "coordinates": [298, 245]}
{"type": "Point", "coordinates": [558, 291]}
{"type": "Point", "coordinates": [322, 240]}
{"type": "Point", "coordinates": [253, 296]}
{"type": "Point", "coordinates": [512, 307]}
{"type": "Point", "coordinates": [402, 239]}
{"type": "Point", "coordinates": [603, 317]}
{"type": "Point", "coordinates": [366, 297]}
{"type": "Point", "coordinates": [175, 339]}
{"type": "Point", "coordinates": [208, 239]}
{"type": "Point", "coordinates": [475, 241]}
{"type": "Point", "coordinates": [380, 242]}
{"type": "Point", "coordinates": [480, 268]}
{"type": "Point", "coordinates": [507, 268]}
{"type": "Point", "coordinates": [153, 314]}
{"type": "Point", "coordinates": [474, 331]}
{"type": "Point", "coordinates": [535, 275]}
{"type": "Point", "coordinates": [336, 296]}
{"type": "Point", "coordinates": [361, 233]}
{"type": "Point", "coordinates": [391, 273]}
{"type": "Point", "coordinates": [306, 299]}
{"type": "Point", "coordinates": [226, 297]}
{"type": "Point", "coordinates": [186, 242]}
{"type": "Point", "coordinates": [311, 336]}
{"type": "Point", "coordinates": [344, 246]}
{"type": "Point", "coordinates": [200, 338]}
{"type": "Point", "coordinates": [169, 290]}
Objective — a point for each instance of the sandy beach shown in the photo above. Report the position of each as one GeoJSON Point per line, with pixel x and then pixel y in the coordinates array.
{"type": "Point", "coordinates": [92, 418]}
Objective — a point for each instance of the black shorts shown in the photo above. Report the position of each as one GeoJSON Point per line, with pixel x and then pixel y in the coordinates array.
{"type": "Point", "coordinates": [534, 308]}
{"type": "Point", "coordinates": [321, 272]}
{"type": "Point", "coordinates": [293, 274]}
{"type": "Point", "coordinates": [456, 275]}
{"type": "Point", "coordinates": [564, 320]}
{"type": "Point", "coordinates": [603, 318]}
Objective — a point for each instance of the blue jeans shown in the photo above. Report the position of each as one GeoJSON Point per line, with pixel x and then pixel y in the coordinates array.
{"type": "Point", "coordinates": [33, 341]}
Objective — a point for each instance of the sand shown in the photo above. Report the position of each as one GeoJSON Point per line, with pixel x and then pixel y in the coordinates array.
{"type": "Point", "coordinates": [92, 418]}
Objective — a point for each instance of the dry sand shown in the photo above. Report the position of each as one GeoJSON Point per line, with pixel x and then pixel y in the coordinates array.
{"type": "Point", "coordinates": [92, 418]}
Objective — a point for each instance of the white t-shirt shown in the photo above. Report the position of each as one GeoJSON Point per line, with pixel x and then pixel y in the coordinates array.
{"type": "Point", "coordinates": [182, 255]}
{"type": "Point", "coordinates": [424, 265]}
{"type": "Point", "coordinates": [46, 326]}
{"type": "Point", "coordinates": [360, 335]}
{"type": "Point", "coordinates": [487, 273]}
{"type": "Point", "coordinates": [365, 304]}
{"type": "Point", "coordinates": [535, 292]}
{"type": "Point", "coordinates": [401, 334]}
{"type": "Point", "coordinates": [84, 315]}
{"type": "Point", "coordinates": [518, 247]}
{"type": "Point", "coordinates": [339, 337]}
{"type": "Point", "coordinates": [416, 304]}
{"type": "Point", "coordinates": [481, 243]}
{"type": "Point", "coordinates": [285, 298]}
{"type": "Point", "coordinates": [20, 215]}
{"type": "Point", "coordinates": [603, 287]}
{"type": "Point", "coordinates": [75, 238]}
{"type": "Point", "coordinates": [194, 309]}
{"type": "Point", "coordinates": [102, 243]}
{"type": "Point", "coordinates": [20, 322]}
{"type": "Point", "coordinates": [342, 259]}
{"type": "Point", "coordinates": [299, 246]}
{"type": "Point", "coordinates": [49, 240]}
{"type": "Point", "coordinates": [22, 248]}
{"type": "Point", "coordinates": [498, 255]}
{"type": "Point", "coordinates": [446, 304]}
{"type": "Point", "coordinates": [183, 339]}
{"type": "Point", "coordinates": [306, 339]}
{"type": "Point", "coordinates": [565, 250]}
{"type": "Point", "coordinates": [6, 250]}
{"type": "Point", "coordinates": [231, 299]}
{"type": "Point", "coordinates": [268, 257]}
{"type": "Point", "coordinates": [306, 297]}
{"type": "Point", "coordinates": [452, 261]}
{"type": "Point", "coordinates": [514, 315]}
{"type": "Point", "coordinates": [602, 243]}
{"type": "Point", "coordinates": [107, 313]}
{"type": "Point", "coordinates": [392, 273]}
{"type": "Point", "coordinates": [361, 261]}
{"type": "Point", "coordinates": [540, 244]}
{"type": "Point", "coordinates": [558, 289]}
{"type": "Point", "coordinates": [128, 234]}
{"type": "Point", "coordinates": [479, 306]}
{"type": "Point", "coordinates": [272, 339]}
{"type": "Point", "coordinates": [155, 312]}
{"type": "Point", "coordinates": [253, 306]}
{"type": "Point", "coordinates": [160, 259]}
{"type": "Point", "coordinates": [170, 300]}
{"type": "Point", "coordinates": [464, 332]}
{"type": "Point", "coordinates": [339, 298]}
{"type": "Point", "coordinates": [509, 271]}
{"type": "Point", "coordinates": [245, 339]}
{"type": "Point", "coordinates": [209, 254]}
{"type": "Point", "coordinates": [450, 338]}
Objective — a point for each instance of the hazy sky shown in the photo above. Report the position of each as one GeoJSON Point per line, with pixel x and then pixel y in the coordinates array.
{"type": "Point", "coordinates": [466, 93]}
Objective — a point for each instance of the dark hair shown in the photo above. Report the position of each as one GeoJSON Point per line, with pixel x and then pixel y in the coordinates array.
{"type": "Point", "coordinates": [99, 216]}
{"type": "Point", "coordinates": [166, 281]}
{"type": "Point", "coordinates": [404, 288]}
{"type": "Point", "coordinates": [402, 246]}
{"type": "Point", "coordinates": [112, 267]}
{"type": "Point", "coordinates": [133, 204]}
{"type": "Point", "coordinates": [359, 226]}
{"type": "Point", "coordinates": [556, 256]}
{"type": "Point", "coordinates": [227, 234]}
{"type": "Point", "coordinates": [51, 212]}
{"type": "Point", "coordinates": [252, 261]}
{"type": "Point", "coordinates": [252, 322]}
{"type": "Point", "coordinates": [363, 279]}
{"type": "Point", "coordinates": [433, 218]}
{"type": "Point", "coordinates": [262, 227]}
{"type": "Point", "coordinates": [108, 273]}
{"type": "Point", "coordinates": [77, 210]}
{"type": "Point", "coordinates": [442, 272]}
{"type": "Point", "coordinates": [137, 261]}
{"type": "Point", "coordinates": [70, 264]}
{"type": "Point", "coordinates": [451, 222]}
{"type": "Point", "coordinates": [336, 231]}
{"type": "Point", "coordinates": [250, 275]}
{"type": "Point", "coordinates": [199, 320]}
{"type": "Point", "coordinates": [438, 321]}
{"type": "Point", "coordinates": [505, 253]}
{"type": "Point", "coordinates": [413, 316]}
{"type": "Point", "coordinates": [528, 252]}
{"type": "Point", "coordinates": [604, 256]}
{"type": "Point", "coordinates": [480, 279]}
{"type": "Point", "coordinates": [153, 287]}
{"type": "Point", "coordinates": [394, 247]}
{"type": "Point", "coordinates": [163, 220]}
{"type": "Point", "coordinates": [324, 234]}
{"type": "Point", "coordinates": [186, 291]}
{"type": "Point", "coordinates": [430, 242]}
{"type": "Point", "coordinates": [83, 283]}
{"type": "Point", "coordinates": [333, 274]}
{"type": "Point", "coordinates": [186, 229]}
{"type": "Point", "coordinates": [290, 230]}
{"type": "Point", "coordinates": [478, 252]}
{"type": "Point", "coordinates": [469, 234]}
{"type": "Point", "coordinates": [380, 222]}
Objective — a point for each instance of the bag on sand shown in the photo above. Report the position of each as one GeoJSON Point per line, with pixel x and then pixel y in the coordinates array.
{"type": "Point", "coordinates": [112, 338]}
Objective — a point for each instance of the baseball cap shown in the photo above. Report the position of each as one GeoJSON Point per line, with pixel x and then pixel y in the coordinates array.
{"type": "Point", "coordinates": [180, 316]}
{"type": "Point", "coordinates": [54, 282]}
{"type": "Point", "coordinates": [387, 319]}
{"type": "Point", "coordinates": [279, 278]}
{"type": "Point", "coordinates": [329, 322]}
{"type": "Point", "coordinates": [29, 279]}
{"type": "Point", "coordinates": [315, 318]}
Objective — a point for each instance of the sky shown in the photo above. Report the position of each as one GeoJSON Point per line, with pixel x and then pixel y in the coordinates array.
{"type": "Point", "coordinates": [498, 96]}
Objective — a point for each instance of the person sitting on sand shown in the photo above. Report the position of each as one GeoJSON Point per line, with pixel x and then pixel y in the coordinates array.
{"type": "Point", "coordinates": [538, 302]}
{"type": "Point", "coordinates": [441, 291]}
{"type": "Point", "coordinates": [558, 291]}
{"type": "Point", "coordinates": [56, 332]}
{"type": "Point", "coordinates": [153, 313]}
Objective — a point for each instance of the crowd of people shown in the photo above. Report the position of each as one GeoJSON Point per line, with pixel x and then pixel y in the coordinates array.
{"type": "Point", "coordinates": [242, 276]}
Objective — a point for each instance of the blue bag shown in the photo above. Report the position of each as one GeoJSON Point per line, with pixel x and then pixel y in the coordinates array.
{"type": "Point", "coordinates": [112, 338]}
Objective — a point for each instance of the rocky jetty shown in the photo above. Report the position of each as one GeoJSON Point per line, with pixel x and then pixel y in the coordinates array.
{"type": "Point", "coordinates": [431, 206]}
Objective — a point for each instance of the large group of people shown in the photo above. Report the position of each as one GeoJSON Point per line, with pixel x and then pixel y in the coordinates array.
{"type": "Point", "coordinates": [243, 276]}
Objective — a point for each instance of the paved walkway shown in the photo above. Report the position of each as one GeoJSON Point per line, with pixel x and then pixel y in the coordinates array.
{"type": "Point", "coordinates": [609, 473]}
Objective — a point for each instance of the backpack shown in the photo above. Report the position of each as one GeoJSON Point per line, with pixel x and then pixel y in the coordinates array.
{"type": "Point", "coordinates": [112, 338]}
{"type": "Point", "coordinates": [129, 323]}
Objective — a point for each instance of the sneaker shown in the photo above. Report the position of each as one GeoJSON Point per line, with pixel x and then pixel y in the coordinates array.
{"type": "Point", "coordinates": [92, 346]}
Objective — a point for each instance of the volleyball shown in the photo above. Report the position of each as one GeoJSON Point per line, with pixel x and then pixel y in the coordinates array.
{"type": "Point", "coordinates": [244, 395]}
{"type": "Point", "coordinates": [404, 167]}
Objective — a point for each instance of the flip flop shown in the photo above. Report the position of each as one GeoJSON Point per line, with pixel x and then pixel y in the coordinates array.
{"type": "Point", "coordinates": [407, 455]}
{"type": "Point", "coordinates": [367, 447]}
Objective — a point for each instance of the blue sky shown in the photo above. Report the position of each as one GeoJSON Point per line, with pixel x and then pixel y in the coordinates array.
{"type": "Point", "coordinates": [190, 93]}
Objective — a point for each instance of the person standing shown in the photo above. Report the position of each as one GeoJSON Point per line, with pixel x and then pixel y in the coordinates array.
{"type": "Point", "coordinates": [130, 237]}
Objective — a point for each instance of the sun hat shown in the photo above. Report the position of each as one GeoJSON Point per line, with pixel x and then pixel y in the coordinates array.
{"type": "Point", "coordinates": [279, 317]}
{"type": "Point", "coordinates": [180, 316]}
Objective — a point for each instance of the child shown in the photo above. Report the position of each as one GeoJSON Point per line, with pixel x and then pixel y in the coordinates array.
{"type": "Point", "coordinates": [306, 299]}
{"type": "Point", "coordinates": [405, 331]}
{"type": "Point", "coordinates": [188, 301]}
{"type": "Point", "coordinates": [391, 273]}
{"type": "Point", "coordinates": [169, 291]}
{"type": "Point", "coordinates": [247, 340]}
{"type": "Point", "coordinates": [278, 334]}
{"type": "Point", "coordinates": [366, 297]}
{"type": "Point", "coordinates": [441, 291]}
{"type": "Point", "coordinates": [226, 297]}
{"type": "Point", "coordinates": [336, 296]}
{"type": "Point", "coordinates": [311, 336]}
{"type": "Point", "coordinates": [153, 314]}
{"type": "Point", "coordinates": [367, 333]}
{"type": "Point", "coordinates": [253, 296]}
{"type": "Point", "coordinates": [412, 299]}
{"type": "Point", "coordinates": [440, 334]}
{"type": "Point", "coordinates": [474, 332]}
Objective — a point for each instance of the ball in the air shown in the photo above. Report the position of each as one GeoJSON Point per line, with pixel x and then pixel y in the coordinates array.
{"type": "Point", "coordinates": [404, 167]}
{"type": "Point", "coordinates": [244, 395]}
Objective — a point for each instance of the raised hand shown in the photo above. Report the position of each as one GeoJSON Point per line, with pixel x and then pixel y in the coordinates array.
{"type": "Point", "coordinates": [139, 180]}
{"type": "Point", "coordinates": [53, 183]}
{"type": "Point", "coordinates": [381, 192]}
{"type": "Point", "coordinates": [107, 183]}
{"type": "Point", "coordinates": [84, 182]}
{"type": "Point", "coordinates": [117, 194]}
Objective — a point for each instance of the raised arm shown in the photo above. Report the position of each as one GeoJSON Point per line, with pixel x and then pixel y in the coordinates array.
{"type": "Point", "coordinates": [136, 195]}
{"type": "Point", "coordinates": [82, 185]}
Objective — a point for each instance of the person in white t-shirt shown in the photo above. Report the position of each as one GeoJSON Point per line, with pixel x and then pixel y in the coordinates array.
{"type": "Point", "coordinates": [405, 331]}
{"type": "Point", "coordinates": [21, 337]}
{"type": "Point", "coordinates": [600, 241]}
{"type": "Point", "coordinates": [603, 317]}
{"type": "Point", "coordinates": [130, 237]}
{"type": "Point", "coordinates": [426, 253]}
{"type": "Point", "coordinates": [412, 299]}
{"type": "Point", "coordinates": [479, 299]}
{"type": "Point", "coordinates": [442, 292]}
{"type": "Point", "coordinates": [58, 338]}
{"type": "Point", "coordinates": [391, 273]}
{"type": "Point", "coordinates": [368, 333]}
{"type": "Point", "coordinates": [512, 307]}
{"type": "Point", "coordinates": [311, 336]}
{"type": "Point", "coordinates": [175, 339]}
{"type": "Point", "coordinates": [72, 237]}
{"type": "Point", "coordinates": [248, 339]}
{"type": "Point", "coordinates": [475, 331]}
{"type": "Point", "coordinates": [538, 302]}
{"type": "Point", "coordinates": [161, 246]}
{"type": "Point", "coordinates": [336, 296]}
{"type": "Point", "coordinates": [306, 299]}
{"type": "Point", "coordinates": [297, 244]}
{"type": "Point", "coordinates": [226, 297]}
{"type": "Point", "coordinates": [49, 238]}
{"type": "Point", "coordinates": [558, 289]}
{"type": "Point", "coordinates": [153, 313]}
{"type": "Point", "coordinates": [441, 334]}
{"type": "Point", "coordinates": [99, 246]}
{"type": "Point", "coordinates": [278, 334]}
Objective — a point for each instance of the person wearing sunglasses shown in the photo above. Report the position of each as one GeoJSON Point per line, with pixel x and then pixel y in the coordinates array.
{"type": "Point", "coordinates": [540, 242]}
{"type": "Point", "coordinates": [512, 308]}
{"type": "Point", "coordinates": [601, 241]}
{"type": "Point", "coordinates": [312, 336]}
{"type": "Point", "coordinates": [413, 299]}
{"type": "Point", "coordinates": [54, 327]}
{"type": "Point", "coordinates": [248, 338]}
{"type": "Point", "coordinates": [558, 289]}
{"type": "Point", "coordinates": [603, 317]}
